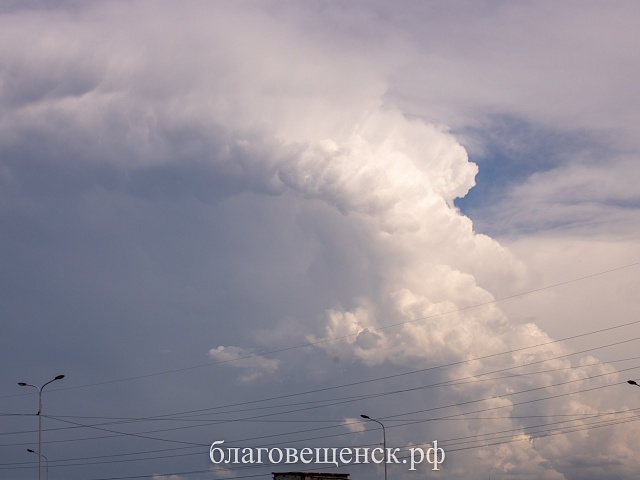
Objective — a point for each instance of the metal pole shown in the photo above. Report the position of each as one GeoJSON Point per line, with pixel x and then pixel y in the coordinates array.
{"type": "Point", "coordinates": [39, 430]}
{"type": "Point", "coordinates": [22, 384]}
{"type": "Point", "coordinates": [384, 441]}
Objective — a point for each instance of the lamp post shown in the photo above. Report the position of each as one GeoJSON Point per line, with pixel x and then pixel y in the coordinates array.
{"type": "Point", "coordinates": [633, 382]}
{"type": "Point", "coordinates": [22, 384]}
{"type": "Point", "coordinates": [43, 456]}
{"type": "Point", "coordinates": [384, 441]}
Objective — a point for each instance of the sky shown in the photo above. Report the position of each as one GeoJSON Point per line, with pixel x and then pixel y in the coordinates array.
{"type": "Point", "coordinates": [255, 221]}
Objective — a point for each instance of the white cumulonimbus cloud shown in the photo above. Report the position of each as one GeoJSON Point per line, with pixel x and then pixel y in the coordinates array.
{"type": "Point", "coordinates": [396, 179]}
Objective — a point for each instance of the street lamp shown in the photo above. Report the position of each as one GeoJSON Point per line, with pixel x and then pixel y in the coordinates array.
{"type": "Point", "coordinates": [384, 441]}
{"type": "Point", "coordinates": [43, 456]}
{"type": "Point", "coordinates": [633, 382]}
{"type": "Point", "coordinates": [22, 384]}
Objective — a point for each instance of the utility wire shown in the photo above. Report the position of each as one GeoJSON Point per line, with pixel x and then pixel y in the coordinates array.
{"type": "Point", "coordinates": [384, 327]}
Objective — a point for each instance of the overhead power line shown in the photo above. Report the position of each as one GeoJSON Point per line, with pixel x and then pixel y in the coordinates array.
{"type": "Point", "coordinates": [384, 327]}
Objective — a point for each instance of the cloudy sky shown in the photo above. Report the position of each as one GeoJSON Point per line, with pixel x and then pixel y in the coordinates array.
{"type": "Point", "coordinates": [256, 221]}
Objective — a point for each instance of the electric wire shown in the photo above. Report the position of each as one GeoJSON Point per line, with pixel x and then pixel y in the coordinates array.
{"type": "Point", "coordinates": [384, 327]}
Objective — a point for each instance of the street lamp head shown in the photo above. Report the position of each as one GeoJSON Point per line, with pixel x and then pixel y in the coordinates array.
{"type": "Point", "coordinates": [59, 377]}
{"type": "Point", "coordinates": [29, 450]}
{"type": "Point", "coordinates": [384, 438]}
{"type": "Point", "coordinates": [22, 384]}
{"type": "Point", "coordinates": [633, 382]}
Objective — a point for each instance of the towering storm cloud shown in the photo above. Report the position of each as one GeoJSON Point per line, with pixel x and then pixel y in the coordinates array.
{"type": "Point", "coordinates": [246, 183]}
